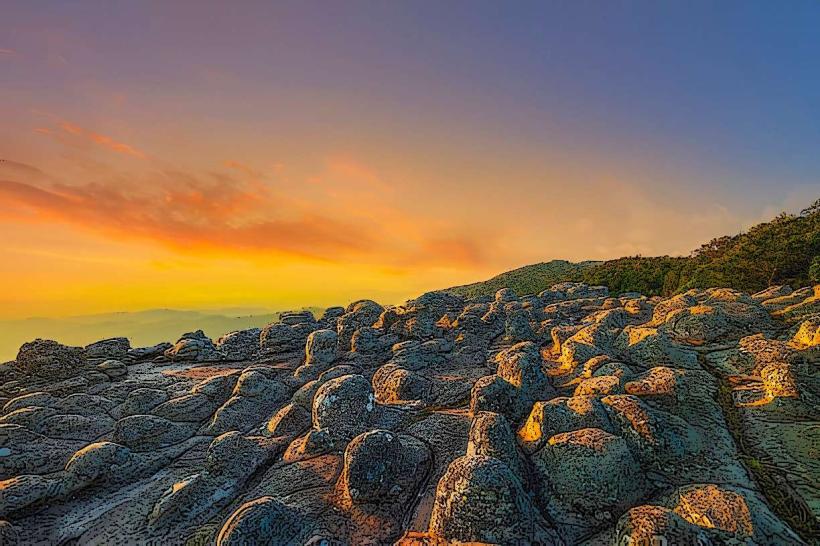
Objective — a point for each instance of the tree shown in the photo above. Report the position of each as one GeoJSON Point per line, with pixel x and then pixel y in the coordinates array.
{"type": "Point", "coordinates": [814, 270]}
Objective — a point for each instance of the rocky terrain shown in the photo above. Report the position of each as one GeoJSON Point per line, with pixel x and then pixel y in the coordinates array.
{"type": "Point", "coordinates": [568, 417]}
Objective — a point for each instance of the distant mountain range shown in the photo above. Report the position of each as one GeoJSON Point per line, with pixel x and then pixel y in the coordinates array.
{"type": "Point", "coordinates": [141, 327]}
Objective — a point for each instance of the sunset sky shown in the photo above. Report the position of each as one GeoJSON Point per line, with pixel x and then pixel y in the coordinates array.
{"type": "Point", "coordinates": [278, 154]}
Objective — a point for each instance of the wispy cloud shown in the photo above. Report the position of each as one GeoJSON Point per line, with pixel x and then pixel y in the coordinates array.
{"type": "Point", "coordinates": [238, 214]}
{"type": "Point", "coordinates": [101, 140]}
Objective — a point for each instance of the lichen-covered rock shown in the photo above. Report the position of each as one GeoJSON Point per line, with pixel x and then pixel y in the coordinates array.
{"type": "Point", "coordinates": [738, 514]}
{"type": "Point", "coordinates": [520, 365]}
{"type": "Point", "coordinates": [264, 522]}
{"type": "Point", "coordinates": [517, 326]}
{"type": "Point", "coordinates": [98, 461]}
{"type": "Point", "coordinates": [194, 346]}
{"type": "Point", "coordinates": [149, 353]}
{"type": "Point", "coordinates": [188, 408]}
{"type": "Point", "coordinates": [114, 369]}
{"type": "Point", "coordinates": [27, 452]}
{"type": "Point", "coordinates": [281, 337]}
{"type": "Point", "coordinates": [357, 315]}
{"type": "Point", "coordinates": [415, 355]}
{"type": "Point", "coordinates": [141, 401]}
{"type": "Point", "coordinates": [217, 387]}
{"type": "Point", "coordinates": [382, 467]}
{"type": "Point", "coordinates": [562, 414]}
{"type": "Point", "coordinates": [344, 406]}
{"type": "Point", "coordinates": [495, 394]}
{"type": "Point", "coordinates": [320, 352]}
{"type": "Point", "coordinates": [392, 384]}
{"type": "Point", "coordinates": [147, 432]}
{"type": "Point", "coordinates": [479, 499]}
{"type": "Point", "coordinates": [491, 435]}
{"type": "Point", "coordinates": [601, 385]}
{"type": "Point", "coordinates": [39, 399]}
{"type": "Point", "coordinates": [647, 524]}
{"type": "Point", "coordinates": [808, 334]}
{"type": "Point", "coordinates": [590, 471]}
{"type": "Point", "coordinates": [254, 398]}
{"type": "Point", "coordinates": [290, 420]}
{"type": "Point", "coordinates": [115, 348]}
{"type": "Point", "coordinates": [239, 345]}
{"type": "Point", "coordinates": [50, 360]}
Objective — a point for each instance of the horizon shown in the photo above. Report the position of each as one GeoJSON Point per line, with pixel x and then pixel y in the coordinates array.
{"type": "Point", "coordinates": [156, 156]}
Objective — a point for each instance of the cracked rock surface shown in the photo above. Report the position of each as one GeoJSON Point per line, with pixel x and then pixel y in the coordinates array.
{"type": "Point", "coordinates": [569, 417]}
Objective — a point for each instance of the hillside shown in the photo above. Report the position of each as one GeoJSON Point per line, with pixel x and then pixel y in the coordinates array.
{"type": "Point", "coordinates": [529, 279]}
{"type": "Point", "coordinates": [785, 250]}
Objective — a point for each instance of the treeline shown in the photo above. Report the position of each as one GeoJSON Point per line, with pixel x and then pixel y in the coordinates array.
{"type": "Point", "coordinates": [785, 250]}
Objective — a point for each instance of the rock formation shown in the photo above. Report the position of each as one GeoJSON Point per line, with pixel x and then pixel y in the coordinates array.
{"type": "Point", "coordinates": [573, 416]}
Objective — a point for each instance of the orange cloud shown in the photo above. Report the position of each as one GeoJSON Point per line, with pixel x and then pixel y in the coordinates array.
{"type": "Point", "coordinates": [102, 140]}
{"type": "Point", "coordinates": [348, 217]}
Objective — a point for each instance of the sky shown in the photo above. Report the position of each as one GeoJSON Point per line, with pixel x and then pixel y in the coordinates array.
{"type": "Point", "coordinates": [285, 154]}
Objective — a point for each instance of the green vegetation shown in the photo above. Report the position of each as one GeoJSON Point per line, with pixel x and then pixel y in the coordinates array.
{"type": "Point", "coordinates": [529, 279]}
{"type": "Point", "coordinates": [785, 250]}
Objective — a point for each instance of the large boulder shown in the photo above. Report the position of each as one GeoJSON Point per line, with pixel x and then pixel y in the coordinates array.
{"type": "Point", "coordinates": [382, 467]}
{"type": "Point", "coordinates": [50, 360]}
{"type": "Point", "coordinates": [491, 435]}
{"type": "Point", "coordinates": [254, 398]}
{"type": "Point", "coordinates": [115, 348]}
{"type": "Point", "coordinates": [262, 522]}
{"type": "Point", "coordinates": [194, 347]}
{"type": "Point", "coordinates": [589, 471]}
{"type": "Point", "coordinates": [142, 401]}
{"type": "Point", "coordinates": [358, 314]}
{"type": "Point", "coordinates": [344, 406]}
{"type": "Point", "coordinates": [320, 352]}
{"type": "Point", "coordinates": [495, 394]}
{"type": "Point", "coordinates": [239, 345]}
{"type": "Point", "coordinates": [479, 499]}
{"type": "Point", "coordinates": [548, 418]}
{"type": "Point", "coordinates": [98, 461]}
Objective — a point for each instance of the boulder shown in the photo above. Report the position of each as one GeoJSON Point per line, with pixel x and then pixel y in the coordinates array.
{"type": "Point", "coordinates": [495, 394]}
{"type": "Point", "coordinates": [357, 315]}
{"type": "Point", "coordinates": [148, 432]}
{"type": "Point", "coordinates": [290, 420]}
{"type": "Point", "coordinates": [491, 435]}
{"type": "Point", "coordinates": [392, 384]}
{"type": "Point", "coordinates": [263, 522]}
{"type": "Point", "coordinates": [50, 360]}
{"type": "Point", "coordinates": [114, 369]}
{"type": "Point", "coordinates": [320, 352]}
{"type": "Point", "coordinates": [194, 347]}
{"type": "Point", "coordinates": [479, 499]}
{"type": "Point", "coordinates": [344, 406]}
{"type": "Point", "coordinates": [645, 524]}
{"type": "Point", "coordinates": [142, 401]}
{"type": "Point", "coordinates": [115, 348]}
{"type": "Point", "coordinates": [240, 345]}
{"type": "Point", "coordinates": [558, 415]}
{"type": "Point", "coordinates": [590, 471]}
{"type": "Point", "coordinates": [150, 353]}
{"type": "Point", "coordinates": [382, 467]}
{"type": "Point", "coordinates": [98, 461]}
